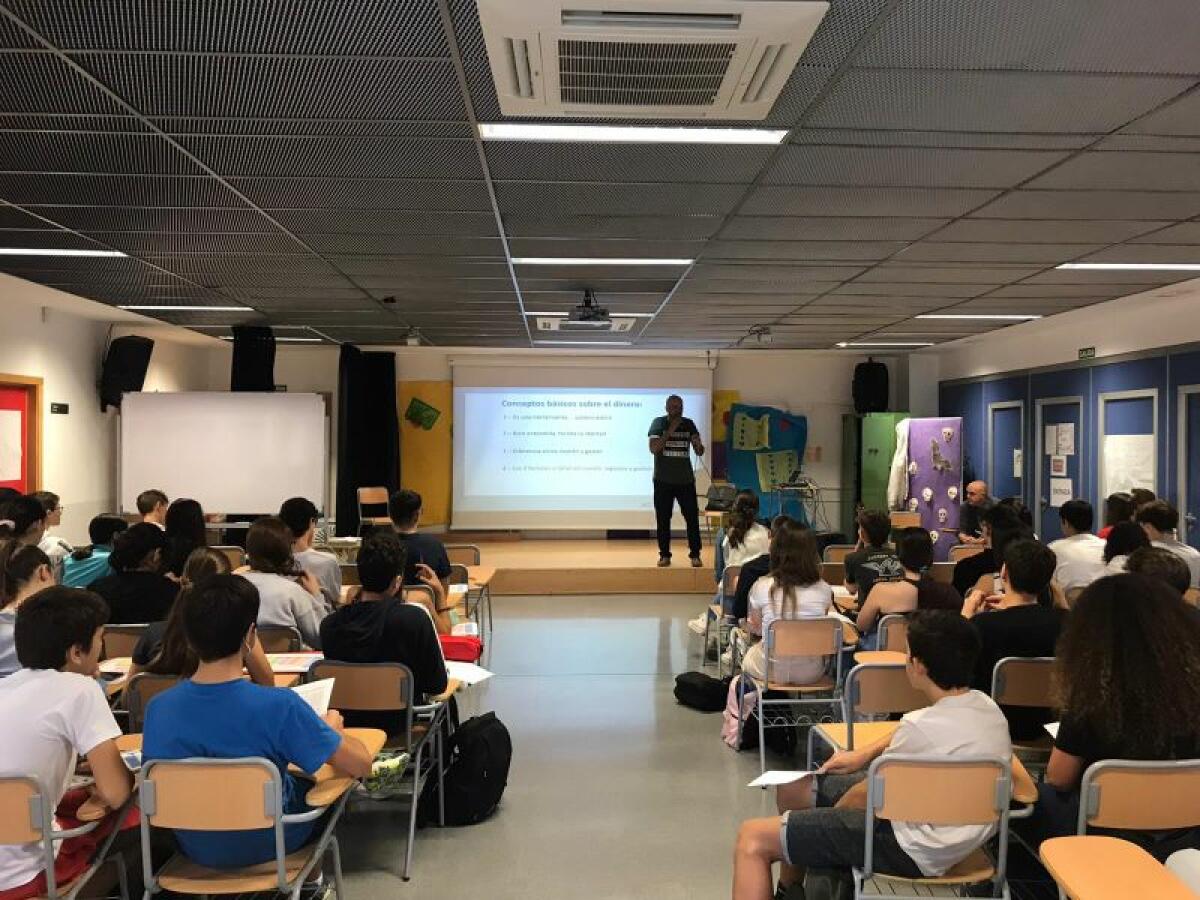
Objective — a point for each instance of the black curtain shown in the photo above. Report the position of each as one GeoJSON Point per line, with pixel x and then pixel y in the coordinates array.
{"type": "Point", "coordinates": [253, 364]}
{"type": "Point", "coordinates": [368, 430]}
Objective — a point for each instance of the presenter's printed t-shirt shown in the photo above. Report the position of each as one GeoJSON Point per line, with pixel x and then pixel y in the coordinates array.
{"type": "Point", "coordinates": [674, 465]}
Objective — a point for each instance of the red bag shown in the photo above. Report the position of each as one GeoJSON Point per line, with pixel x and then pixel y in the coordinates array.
{"type": "Point", "coordinates": [461, 648]}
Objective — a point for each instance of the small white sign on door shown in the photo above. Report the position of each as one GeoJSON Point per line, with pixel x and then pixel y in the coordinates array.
{"type": "Point", "coordinates": [1061, 490]}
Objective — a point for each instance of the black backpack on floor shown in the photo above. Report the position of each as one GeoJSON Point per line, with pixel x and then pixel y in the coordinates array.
{"type": "Point", "coordinates": [476, 760]}
{"type": "Point", "coordinates": [703, 692]}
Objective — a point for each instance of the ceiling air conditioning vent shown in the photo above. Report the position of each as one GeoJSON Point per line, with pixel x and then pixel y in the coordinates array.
{"type": "Point", "coordinates": [660, 59]}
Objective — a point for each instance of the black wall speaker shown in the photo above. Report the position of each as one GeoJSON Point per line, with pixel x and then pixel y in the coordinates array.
{"type": "Point", "coordinates": [124, 369]}
{"type": "Point", "coordinates": [253, 359]}
{"type": "Point", "coordinates": [870, 387]}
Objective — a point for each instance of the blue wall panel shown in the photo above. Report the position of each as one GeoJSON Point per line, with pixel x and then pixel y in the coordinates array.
{"type": "Point", "coordinates": [966, 402]}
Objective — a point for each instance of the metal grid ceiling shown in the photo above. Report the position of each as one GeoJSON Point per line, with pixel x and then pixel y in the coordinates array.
{"type": "Point", "coordinates": [317, 163]}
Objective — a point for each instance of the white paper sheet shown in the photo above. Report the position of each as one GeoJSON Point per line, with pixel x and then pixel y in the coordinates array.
{"type": "Point", "coordinates": [1052, 729]}
{"type": "Point", "coordinates": [292, 663]}
{"type": "Point", "coordinates": [1050, 440]}
{"type": "Point", "coordinates": [778, 776]}
{"type": "Point", "coordinates": [456, 589]}
{"type": "Point", "coordinates": [1058, 466]}
{"type": "Point", "coordinates": [1018, 462]}
{"type": "Point", "coordinates": [11, 462]}
{"type": "Point", "coordinates": [467, 673]}
{"type": "Point", "coordinates": [1066, 439]}
{"type": "Point", "coordinates": [1128, 462]}
{"type": "Point", "coordinates": [316, 694]}
{"type": "Point", "coordinates": [1061, 490]}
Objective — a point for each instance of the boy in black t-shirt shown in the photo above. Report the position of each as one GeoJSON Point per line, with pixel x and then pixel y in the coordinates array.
{"type": "Point", "coordinates": [873, 560]}
{"type": "Point", "coordinates": [405, 511]}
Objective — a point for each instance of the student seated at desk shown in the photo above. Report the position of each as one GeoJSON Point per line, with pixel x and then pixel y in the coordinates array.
{"type": "Point", "coordinates": [754, 569]}
{"type": "Point", "coordinates": [1126, 676]}
{"type": "Point", "coordinates": [1159, 520]}
{"type": "Point", "coordinates": [743, 540]}
{"type": "Point", "coordinates": [185, 530]}
{"type": "Point", "coordinates": [137, 592]}
{"type": "Point", "coordinates": [22, 519]}
{"type": "Point", "coordinates": [999, 524]}
{"type": "Point", "coordinates": [872, 560]}
{"type": "Point", "coordinates": [422, 548]}
{"type": "Point", "coordinates": [163, 649]}
{"type": "Point", "coordinates": [219, 715]}
{"type": "Point", "coordinates": [1124, 538]}
{"type": "Point", "coordinates": [88, 565]}
{"type": "Point", "coordinates": [52, 545]}
{"type": "Point", "coordinates": [1080, 553]}
{"type": "Point", "coordinates": [377, 626]}
{"type": "Point", "coordinates": [823, 823]}
{"type": "Point", "coordinates": [288, 595]}
{"type": "Point", "coordinates": [152, 507]}
{"type": "Point", "coordinates": [24, 570]}
{"type": "Point", "coordinates": [916, 589]}
{"type": "Point", "coordinates": [52, 711]}
{"type": "Point", "coordinates": [300, 516]}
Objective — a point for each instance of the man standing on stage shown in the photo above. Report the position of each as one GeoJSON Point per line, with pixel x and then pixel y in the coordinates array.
{"type": "Point", "coordinates": [674, 478]}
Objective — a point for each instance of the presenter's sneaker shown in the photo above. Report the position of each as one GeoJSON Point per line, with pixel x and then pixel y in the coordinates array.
{"type": "Point", "coordinates": [699, 624]}
{"type": "Point", "coordinates": [664, 561]}
{"type": "Point", "coordinates": [696, 563]}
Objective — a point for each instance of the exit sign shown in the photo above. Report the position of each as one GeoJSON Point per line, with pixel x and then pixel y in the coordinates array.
{"type": "Point", "coordinates": [1087, 352]}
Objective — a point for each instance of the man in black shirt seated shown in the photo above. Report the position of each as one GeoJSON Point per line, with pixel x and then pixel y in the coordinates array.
{"type": "Point", "coordinates": [1016, 623]}
{"type": "Point", "coordinates": [379, 627]}
{"type": "Point", "coordinates": [405, 511]}
{"type": "Point", "coordinates": [1000, 525]}
{"type": "Point", "coordinates": [970, 515]}
{"type": "Point", "coordinates": [874, 560]}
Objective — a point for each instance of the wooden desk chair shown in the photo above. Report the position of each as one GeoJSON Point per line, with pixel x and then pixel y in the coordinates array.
{"type": "Point", "coordinates": [1072, 594]}
{"type": "Point", "coordinates": [387, 687]}
{"type": "Point", "coordinates": [370, 498]}
{"type": "Point", "coordinates": [1025, 682]}
{"type": "Point", "coordinates": [119, 640]}
{"type": "Point", "coordinates": [140, 690]}
{"type": "Point", "coordinates": [27, 817]}
{"type": "Point", "coordinates": [893, 633]}
{"type": "Point", "coordinates": [459, 576]}
{"type": "Point", "coordinates": [871, 689]}
{"type": "Point", "coordinates": [231, 795]}
{"type": "Point", "coordinates": [1137, 795]}
{"type": "Point", "coordinates": [833, 573]}
{"type": "Point", "coordinates": [785, 640]}
{"type": "Point", "coordinates": [903, 519]}
{"type": "Point", "coordinates": [235, 555]}
{"type": "Point", "coordinates": [1108, 868]}
{"type": "Point", "coordinates": [464, 554]}
{"type": "Point", "coordinates": [279, 639]}
{"type": "Point", "coordinates": [349, 574]}
{"type": "Point", "coordinates": [942, 572]}
{"type": "Point", "coordinates": [837, 553]}
{"type": "Point", "coordinates": [716, 614]}
{"type": "Point", "coordinates": [963, 551]}
{"type": "Point", "coordinates": [969, 791]}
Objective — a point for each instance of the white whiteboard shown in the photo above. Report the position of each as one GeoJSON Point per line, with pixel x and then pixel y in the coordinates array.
{"type": "Point", "coordinates": [233, 452]}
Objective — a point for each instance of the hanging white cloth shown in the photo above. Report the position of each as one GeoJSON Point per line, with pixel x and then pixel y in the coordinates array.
{"type": "Point", "coordinates": [897, 492]}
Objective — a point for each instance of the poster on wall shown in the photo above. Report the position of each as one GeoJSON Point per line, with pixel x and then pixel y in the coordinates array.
{"type": "Point", "coordinates": [12, 450]}
{"type": "Point", "coordinates": [1128, 462]}
{"type": "Point", "coordinates": [1058, 466]}
{"type": "Point", "coordinates": [935, 478]}
{"type": "Point", "coordinates": [1066, 439]}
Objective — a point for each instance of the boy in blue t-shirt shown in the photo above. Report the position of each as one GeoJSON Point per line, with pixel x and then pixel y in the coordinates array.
{"type": "Point", "coordinates": [219, 715]}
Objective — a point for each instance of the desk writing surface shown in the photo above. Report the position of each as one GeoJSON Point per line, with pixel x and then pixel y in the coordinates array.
{"type": "Point", "coordinates": [480, 576]}
{"type": "Point", "coordinates": [1095, 867]}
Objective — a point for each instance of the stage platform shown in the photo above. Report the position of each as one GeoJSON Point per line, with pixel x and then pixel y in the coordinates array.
{"type": "Point", "coordinates": [593, 567]}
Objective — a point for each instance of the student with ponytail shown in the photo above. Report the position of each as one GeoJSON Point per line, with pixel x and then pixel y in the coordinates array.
{"type": "Point", "coordinates": [22, 519]}
{"type": "Point", "coordinates": [24, 570]}
{"type": "Point", "coordinates": [744, 539]}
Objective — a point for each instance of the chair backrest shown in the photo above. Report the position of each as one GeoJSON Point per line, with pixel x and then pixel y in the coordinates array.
{"type": "Point", "coordinates": [349, 573]}
{"type": "Point", "coordinates": [901, 519]}
{"type": "Point", "coordinates": [465, 554]}
{"type": "Point", "coordinates": [372, 496]}
{"type": "Point", "coordinates": [880, 688]}
{"type": "Point", "coordinates": [837, 553]}
{"type": "Point", "coordinates": [210, 794]}
{"type": "Point", "coordinates": [1072, 594]}
{"type": "Point", "coordinates": [1023, 681]}
{"type": "Point", "coordinates": [412, 593]}
{"type": "Point", "coordinates": [788, 639]}
{"type": "Point", "coordinates": [458, 574]}
{"type": "Point", "coordinates": [378, 687]}
{"type": "Point", "coordinates": [119, 640]}
{"type": "Point", "coordinates": [235, 555]}
{"type": "Point", "coordinates": [1140, 796]}
{"type": "Point", "coordinates": [893, 633]}
{"type": "Point", "coordinates": [833, 573]}
{"type": "Point", "coordinates": [279, 639]}
{"type": "Point", "coordinates": [962, 551]}
{"type": "Point", "coordinates": [729, 580]}
{"type": "Point", "coordinates": [1192, 596]}
{"type": "Point", "coordinates": [143, 688]}
{"type": "Point", "coordinates": [21, 819]}
{"type": "Point", "coordinates": [942, 572]}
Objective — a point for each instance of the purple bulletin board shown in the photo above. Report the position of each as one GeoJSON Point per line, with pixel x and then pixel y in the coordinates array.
{"type": "Point", "coordinates": [935, 478]}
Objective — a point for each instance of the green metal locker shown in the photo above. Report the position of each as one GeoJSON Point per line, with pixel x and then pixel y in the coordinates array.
{"type": "Point", "coordinates": [851, 475]}
{"type": "Point", "coordinates": [878, 447]}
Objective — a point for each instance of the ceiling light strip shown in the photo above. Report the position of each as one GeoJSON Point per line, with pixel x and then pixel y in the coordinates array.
{"type": "Point", "coordinates": [1000, 317]}
{"type": "Point", "coordinates": [188, 308]}
{"type": "Point", "coordinates": [885, 344]}
{"type": "Point", "coordinates": [587, 343]}
{"type": "Point", "coordinates": [628, 134]}
{"type": "Point", "coordinates": [596, 261]}
{"type": "Point", "coordinates": [48, 251]}
{"type": "Point", "coordinates": [1133, 267]}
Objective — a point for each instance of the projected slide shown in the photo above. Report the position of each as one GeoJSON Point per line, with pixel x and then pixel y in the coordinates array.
{"type": "Point", "coordinates": [559, 450]}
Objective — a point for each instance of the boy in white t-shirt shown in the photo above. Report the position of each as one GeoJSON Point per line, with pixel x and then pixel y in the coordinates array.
{"type": "Point", "coordinates": [813, 831]}
{"type": "Point", "coordinates": [52, 711]}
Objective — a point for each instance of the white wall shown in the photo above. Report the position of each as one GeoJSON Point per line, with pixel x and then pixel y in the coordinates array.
{"type": "Point", "coordinates": [1162, 317]}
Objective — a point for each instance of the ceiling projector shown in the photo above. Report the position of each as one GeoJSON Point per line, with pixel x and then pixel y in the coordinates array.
{"type": "Point", "coordinates": [588, 314]}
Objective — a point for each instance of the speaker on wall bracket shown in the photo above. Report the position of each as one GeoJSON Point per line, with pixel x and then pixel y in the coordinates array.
{"type": "Point", "coordinates": [253, 367]}
{"type": "Point", "coordinates": [124, 368]}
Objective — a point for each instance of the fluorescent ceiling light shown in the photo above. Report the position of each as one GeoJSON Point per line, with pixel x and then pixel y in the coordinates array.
{"type": "Point", "coordinates": [290, 340]}
{"type": "Point", "coordinates": [1000, 318]}
{"type": "Point", "coordinates": [595, 261]}
{"type": "Point", "coordinates": [1134, 267]}
{"type": "Point", "coordinates": [587, 343]}
{"type": "Point", "coordinates": [44, 251]}
{"type": "Point", "coordinates": [628, 134]}
{"type": "Point", "coordinates": [187, 308]}
{"type": "Point", "coordinates": [615, 315]}
{"type": "Point", "coordinates": [885, 344]}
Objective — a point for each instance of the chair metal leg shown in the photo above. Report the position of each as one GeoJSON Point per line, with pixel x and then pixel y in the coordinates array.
{"type": "Point", "coordinates": [440, 750]}
{"type": "Point", "coordinates": [122, 875]}
{"type": "Point", "coordinates": [489, 607]}
{"type": "Point", "coordinates": [412, 815]}
{"type": "Point", "coordinates": [333, 850]}
{"type": "Point", "coordinates": [762, 738]}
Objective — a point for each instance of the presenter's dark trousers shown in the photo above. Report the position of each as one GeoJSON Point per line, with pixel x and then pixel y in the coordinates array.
{"type": "Point", "coordinates": [665, 496]}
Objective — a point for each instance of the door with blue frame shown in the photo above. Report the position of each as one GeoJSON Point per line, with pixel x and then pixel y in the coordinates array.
{"type": "Point", "coordinates": [1125, 419]}
{"type": "Point", "coordinates": [1006, 449]}
{"type": "Point", "coordinates": [1189, 464]}
{"type": "Point", "coordinates": [1056, 411]}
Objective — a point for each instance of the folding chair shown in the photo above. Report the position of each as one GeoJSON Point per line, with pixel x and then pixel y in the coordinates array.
{"type": "Point", "coordinates": [388, 687]}
{"type": "Point", "coordinates": [904, 519]}
{"type": "Point", "coordinates": [1138, 795]}
{"type": "Point", "coordinates": [279, 639]}
{"type": "Point", "coordinates": [464, 554]}
{"type": "Point", "coordinates": [893, 633]}
{"type": "Point", "coordinates": [942, 572]}
{"type": "Point", "coordinates": [350, 573]}
{"type": "Point", "coordinates": [963, 551]}
{"type": "Point", "coordinates": [460, 577]}
{"type": "Point", "coordinates": [467, 555]}
{"type": "Point", "coordinates": [788, 639]}
{"type": "Point", "coordinates": [870, 689]}
{"type": "Point", "coordinates": [244, 794]}
{"type": "Point", "coordinates": [140, 690]}
{"type": "Point", "coordinates": [970, 790]}
{"type": "Point", "coordinates": [833, 573]}
{"type": "Point", "coordinates": [837, 553]}
{"type": "Point", "coordinates": [729, 580]}
{"type": "Point", "coordinates": [373, 497]}
{"type": "Point", "coordinates": [1025, 682]}
{"type": "Point", "coordinates": [119, 640]}
{"type": "Point", "coordinates": [235, 555]}
{"type": "Point", "coordinates": [27, 817]}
